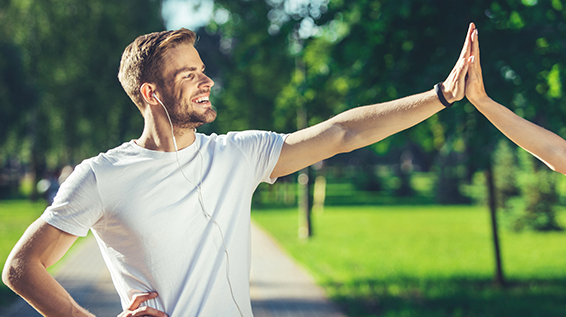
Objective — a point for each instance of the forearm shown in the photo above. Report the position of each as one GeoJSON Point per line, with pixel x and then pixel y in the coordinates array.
{"type": "Point", "coordinates": [544, 144]}
{"type": "Point", "coordinates": [32, 282]}
{"type": "Point", "coordinates": [366, 125]}
{"type": "Point", "coordinates": [25, 271]}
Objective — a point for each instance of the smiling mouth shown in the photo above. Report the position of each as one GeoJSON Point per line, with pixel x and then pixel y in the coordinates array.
{"type": "Point", "coordinates": [201, 100]}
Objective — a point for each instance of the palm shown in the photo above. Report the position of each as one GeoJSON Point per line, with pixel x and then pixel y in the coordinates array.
{"type": "Point", "coordinates": [455, 84]}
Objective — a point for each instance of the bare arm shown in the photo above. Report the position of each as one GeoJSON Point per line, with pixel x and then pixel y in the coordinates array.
{"type": "Point", "coordinates": [543, 144]}
{"type": "Point", "coordinates": [353, 129]}
{"type": "Point", "coordinates": [25, 270]}
{"type": "Point", "coordinates": [366, 125]}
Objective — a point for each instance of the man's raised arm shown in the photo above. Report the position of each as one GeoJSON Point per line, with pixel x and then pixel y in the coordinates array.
{"type": "Point", "coordinates": [366, 125]}
{"type": "Point", "coordinates": [543, 144]}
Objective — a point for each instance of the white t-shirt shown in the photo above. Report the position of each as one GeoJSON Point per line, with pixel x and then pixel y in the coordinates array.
{"type": "Point", "coordinates": [150, 226]}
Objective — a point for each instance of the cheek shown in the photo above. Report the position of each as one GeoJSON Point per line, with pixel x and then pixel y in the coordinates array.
{"type": "Point", "coordinates": [185, 95]}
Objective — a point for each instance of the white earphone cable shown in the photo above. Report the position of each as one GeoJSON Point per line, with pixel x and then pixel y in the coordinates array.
{"type": "Point", "coordinates": [201, 200]}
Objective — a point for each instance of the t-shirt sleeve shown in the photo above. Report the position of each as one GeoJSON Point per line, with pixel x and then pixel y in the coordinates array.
{"type": "Point", "coordinates": [262, 149]}
{"type": "Point", "coordinates": [77, 205]}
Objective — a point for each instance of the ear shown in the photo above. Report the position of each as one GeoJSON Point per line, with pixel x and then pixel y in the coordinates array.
{"type": "Point", "coordinates": [147, 90]}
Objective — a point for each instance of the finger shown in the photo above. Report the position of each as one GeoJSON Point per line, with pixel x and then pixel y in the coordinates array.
{"type": "Point", "coordinates": [475, 58]}
{"type": "Point", "coordinates": [140, 298]}
{"type": "Point", "coordinates": [148, 311]}
{"type": "Point", "coordinates": [466, 49]}
{"type": "Point", "coordinates": [476, 46]}
{"type": "Point", "coordinates": [461, 80]}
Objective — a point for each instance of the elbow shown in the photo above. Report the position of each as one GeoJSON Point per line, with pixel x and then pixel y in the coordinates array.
{"type": "Point", "coordinates": [13, 274]}
{"type": "Point", "coordinates": [8, 276]}
{"type": "Point", "coordinates": [343, 139]}
{"type": "Point", "coordinates": [348, 140]}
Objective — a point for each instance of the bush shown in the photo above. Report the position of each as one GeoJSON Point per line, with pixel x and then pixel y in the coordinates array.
{"type": "Point", "coordinates": [535, 208]}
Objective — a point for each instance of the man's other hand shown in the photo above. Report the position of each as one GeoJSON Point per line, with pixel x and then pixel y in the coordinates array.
{"type": "Point", "coordinates": [136, 311]}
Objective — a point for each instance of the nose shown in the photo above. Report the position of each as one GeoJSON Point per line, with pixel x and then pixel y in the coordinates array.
{"type": "Point", "coordinates": [205, 81]}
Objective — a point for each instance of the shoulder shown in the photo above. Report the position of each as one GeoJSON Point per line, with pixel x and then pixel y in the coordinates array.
{"type": "Point", "coordinates": [236, 137]}
{"type": "Point", "coordinates": [256, 141]}
{"type": "Point", "coordinates": [253, 136]}
{"type": "Point", "coordinates": [126, 151]}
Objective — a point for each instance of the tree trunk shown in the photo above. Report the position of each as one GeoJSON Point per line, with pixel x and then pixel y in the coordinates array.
{"type": "Point", "coordinates": [499, 279]}
{"type": "Point", "coordinates": [304, 179]}
{"type": "Point", "coordinates": [305, 204]}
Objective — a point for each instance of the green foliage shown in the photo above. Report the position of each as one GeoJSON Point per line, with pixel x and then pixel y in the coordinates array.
{"type": "Point", "coordinates": [526, 190]}
{"type": "Point", "coordinates": [424, 261]}
{"type": "Point", "coordinates": [505, 170]}
{"type": "Point", "coordinates": [71, 105]}
{"type": "Point", "coordinates": [536, 206]}
{"type": "Point", "coordinates": [249, 66]}
{"type": "Point", "coordinates": [342, 189]}
{"type": "Point", "coordinates": [16, 93]}
{"type": "Point", "coordinates": [364, 52]}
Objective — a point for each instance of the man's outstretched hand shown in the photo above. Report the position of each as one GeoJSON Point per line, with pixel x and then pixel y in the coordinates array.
{"type": "Point", "coordinates": [134, 310]}
{"type": "Point", "coordinates": [454, 87]}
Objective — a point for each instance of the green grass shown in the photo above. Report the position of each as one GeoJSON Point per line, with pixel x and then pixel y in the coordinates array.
{"type": "Point", "coordinates": [425, 261]}
{"type": "Point", "coordinates": [15, 217]}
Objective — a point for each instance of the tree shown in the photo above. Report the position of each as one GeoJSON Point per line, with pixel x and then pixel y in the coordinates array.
{"type": "Point", "coordinates": [71, 51]}
{"type": "Point", "coordinates": [360, 52]}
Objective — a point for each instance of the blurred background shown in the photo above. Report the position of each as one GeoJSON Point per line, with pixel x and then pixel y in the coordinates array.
{"type": "Point", "coordinates": [447, 218]}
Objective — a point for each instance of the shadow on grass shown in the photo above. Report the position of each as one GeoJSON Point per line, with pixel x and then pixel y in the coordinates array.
{"type": "Point", "coordinates": [453, 297]}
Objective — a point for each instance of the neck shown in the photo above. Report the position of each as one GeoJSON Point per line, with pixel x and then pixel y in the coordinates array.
{"type": "Point", "coordinates": [157, 136]}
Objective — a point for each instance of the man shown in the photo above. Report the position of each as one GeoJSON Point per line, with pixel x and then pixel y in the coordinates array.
{"type": "Point", "coordinates": [170, 210]}
{"type": "Point", "coordinates": [543, 144]}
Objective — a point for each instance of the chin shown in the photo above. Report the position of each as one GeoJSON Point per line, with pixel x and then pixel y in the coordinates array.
{"type": "Point", "coordinates": [208, 117]}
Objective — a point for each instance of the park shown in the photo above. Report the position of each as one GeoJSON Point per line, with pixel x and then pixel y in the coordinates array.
{"type": "Point", "coordinates": [446, 218]}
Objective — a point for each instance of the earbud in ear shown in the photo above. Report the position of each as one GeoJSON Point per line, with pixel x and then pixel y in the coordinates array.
{"type": "Point", "coordinates": [155, 96]}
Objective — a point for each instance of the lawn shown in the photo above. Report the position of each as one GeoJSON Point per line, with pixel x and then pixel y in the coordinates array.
{"type": "Point", "coordinates": [425, 261]}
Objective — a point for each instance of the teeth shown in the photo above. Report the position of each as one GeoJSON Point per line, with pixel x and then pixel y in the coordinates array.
{"type": "Point", "coordinates": [202, 99]}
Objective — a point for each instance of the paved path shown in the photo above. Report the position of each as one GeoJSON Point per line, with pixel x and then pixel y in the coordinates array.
{"type": "Point", "coordinates": [278, 287]}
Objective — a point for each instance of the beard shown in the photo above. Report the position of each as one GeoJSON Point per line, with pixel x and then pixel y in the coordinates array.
{"type": "Point", "coordinates": [184, 116]}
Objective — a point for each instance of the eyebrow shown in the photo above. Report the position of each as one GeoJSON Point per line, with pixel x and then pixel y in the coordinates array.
{"type": "Point", "coordinates": [186, 69]}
